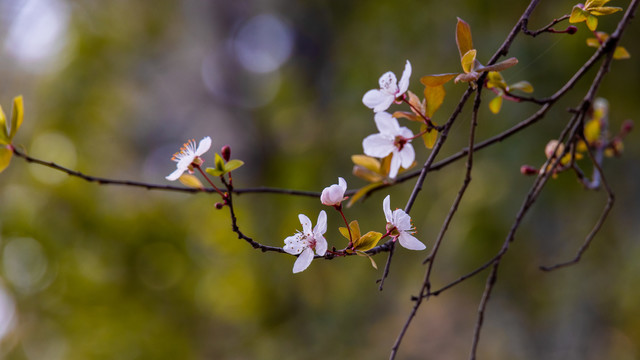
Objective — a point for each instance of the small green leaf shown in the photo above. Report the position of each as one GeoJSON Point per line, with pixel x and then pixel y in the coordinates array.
{"type": "Point", "coordinates": [17, 115]}
{"type": "Point", "coordinates": [362, 192]}
{"type": "Point", "coordinates": [219, 162]}
{"type": "Point", "coordinates": [430, 137]}
{"type": "Point", "coordinates": [368, 241]}
{"type": "Point", "coordinates": [578, 15]}
{"type": "Point", "coordinates": [4, 132]}
{"type": "Point", "coordinates": [355, 231]}
{"type": "Point", "coordinates": [621, 53]}
{"type": "Point", "coordinates": [434, 96]}
{"type": "Point", "coordinates": [523, 86]}
{"type": "Point", "coordinates": [495, 80]}
{"type": "Point", "coordinates": [437, 80]}
{"type": "Point", "coordinates": [592, 22]}
{"type": "Point", "coordinates": [463, 37]}
{"type": "Point", "coordinates": [5, 158]}
{"type": "Point", "coordinates": [495, 104]}
{"type": "Point", "coordinates": [214, 172]}
{"type": "Point", "coordinates": [232, 165]}
{"type": "Point", "coordinates": [468, 60]}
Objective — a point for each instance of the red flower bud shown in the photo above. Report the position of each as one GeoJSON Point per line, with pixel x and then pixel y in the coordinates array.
{"type": "Point", "coordinates": [572, 30]}
{"type": "Point", "coordinates": [226, 152]}
{"type": "Point", "coordinates": [528, 170]}
{"type": "Point", "coordinates": [627, 126]}
{"type": "Point", "coordinates": [219, 205]}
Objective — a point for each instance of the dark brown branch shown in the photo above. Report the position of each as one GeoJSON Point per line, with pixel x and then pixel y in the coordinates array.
{"type": "Point", "coordinates": [491, 281]}
{"type": "Point", "coordinates": [543, 29]}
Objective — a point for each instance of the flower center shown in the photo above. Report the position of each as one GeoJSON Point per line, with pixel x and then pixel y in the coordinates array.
{"type": "Point", "coordinates": [399, 142]}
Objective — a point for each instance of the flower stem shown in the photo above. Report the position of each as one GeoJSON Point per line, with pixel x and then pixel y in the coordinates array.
{"type": "Point", "coordinates": [339, 208]}
{"type": "Point", "coordinates": [224, 197]}
{"type": "Point", "coordinates": [426, 119]}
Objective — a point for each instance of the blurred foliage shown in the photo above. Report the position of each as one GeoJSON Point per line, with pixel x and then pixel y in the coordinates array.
{"type": "Point", "coordinates": [98, 272]}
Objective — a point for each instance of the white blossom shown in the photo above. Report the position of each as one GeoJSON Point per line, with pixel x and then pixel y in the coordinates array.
{"type": "Point", "coordinates": [304, 243]}
{"type": "Point", "coordinates": [391, 139]}
{"type": "Point", "coordinates": [390, 90]}
{"type": "Point", "coordinates": [334, 194]}
{"type": "Point", "coordinates": [187, 155]}
{"type": "Point", "coordinates": [399, 223]}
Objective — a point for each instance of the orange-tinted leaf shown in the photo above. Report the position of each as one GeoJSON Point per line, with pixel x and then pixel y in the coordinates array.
{"type": "Point", "coordinates": [592, 22]}
{"type": "Point", "coordinates": [368, 241]}
{"type": "Point", "coordinates": [5, 158]}
{"type": "Point", "coordinates": [437, 80]}
{"type": "Point", "coordinates": [407, 115]}
{"type": "Point", "coordinates": [362, 192]}
{"type": "Point", "coordinates": [468, 60]}
{"type": "Point", "coordinates": [191, 181]}
{"type": "Point", "coordinates": [578, 15]}
{"type": "Point", "coordinates": [606, 10]}
{"type": "Point", "coordinates": [621, 53]}
{"type": "Point", "coordinates": [367, 162]}
{"type": "Point", "coordinates": [593, 42]}
{"type": "Point", "coordinates": [373, 262]}
{"type": "Point", "coordinates": [434, 96]}
{"type": "Point", "coordinates": [385, 165]}
{"type": "Point", "coordinates": [495, 104]}
{"type": "Point", "coordinates": [429, 137]}
{"type": "Point", "coordinates": [463, 37]}
{"type": "Point", "coordinates": [503, 65]}
{"type": "Point", "coordinates": [523, 86]}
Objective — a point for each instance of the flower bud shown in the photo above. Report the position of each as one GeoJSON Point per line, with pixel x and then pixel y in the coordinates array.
{"type": "Point", "coordinates": [219, 205]}
{"type": "Point", "coordinates": [226, 152]}
{"type": "Point", "coordinates": [528, 170]}
{"type": "Point", "coordinates": [626, 127]}
{"type": "Point", "coordinates": [572, 30]}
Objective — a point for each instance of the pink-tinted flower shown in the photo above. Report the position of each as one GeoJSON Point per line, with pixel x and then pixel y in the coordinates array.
{"type": "Point", "coordinates": [305, 242]}
{"type": "Point", "coordinates": [334, 194]}
{"type": "Point", "coordinates": [188, 156]}
{"type": "Point", "coordinates": [391, 139]}
{"type": "Point", "coordinates": [390, 90]}
{"type": "Point", "coordinates": [399, 224]}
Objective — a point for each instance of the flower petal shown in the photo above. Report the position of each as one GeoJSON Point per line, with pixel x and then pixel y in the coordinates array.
{"type": "Point", "coordinates": [410, 242]}
{"type": "Point", "coordinates": [175, 175]}
{"type": "Point", "coordinates": [389, 83]}
{"type": "Point", "coordinates": [294, 244]}
{"type": "Point", "coordinates": [377, 145]}
{"type": "Point", "coordinates": [394, 167]}
{"type": "Point", "coordinates": [387, 124]}
{"type": "Point", "coordinates": [306, 224]}
{"type": "Point", "coordinates": [321, 245]}
{"type": "Point", "coordinates": [403, 85]}
{"type": "Point", "coordinates": [401, 220]}
{"type": "Point", "coordinates": [377, 100]}
{"type": "Point", "coordinates": [303, 261]}
{"type": "Point", "coordinates": [203, 146]}
{"type": "Point", "coordinates": [386, 207]}
{"type": "Point", "coordinates": [321, 225]}
{"type": "Point", "coordinates": [407, 156]}
{"type": "Point", "coordinates": [342, 183]}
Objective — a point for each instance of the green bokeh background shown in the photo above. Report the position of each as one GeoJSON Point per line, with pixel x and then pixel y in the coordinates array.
{"type": "Point", "coordinates": [103, 272]}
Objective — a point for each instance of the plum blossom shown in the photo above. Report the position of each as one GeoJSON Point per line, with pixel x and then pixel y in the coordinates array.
{"type": "Point", "coordinates": [391, 139]}
{"type": "Point", "coordinates": [305, 242]}
{"type": "Point", "coordinates": [399, 225]}
{"type": "Point", "coordinates": [188, 156]}
{"type": "Point", "coordinates": [390, 90]}
{"type": "Point", "coordinates": [334, 194]}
